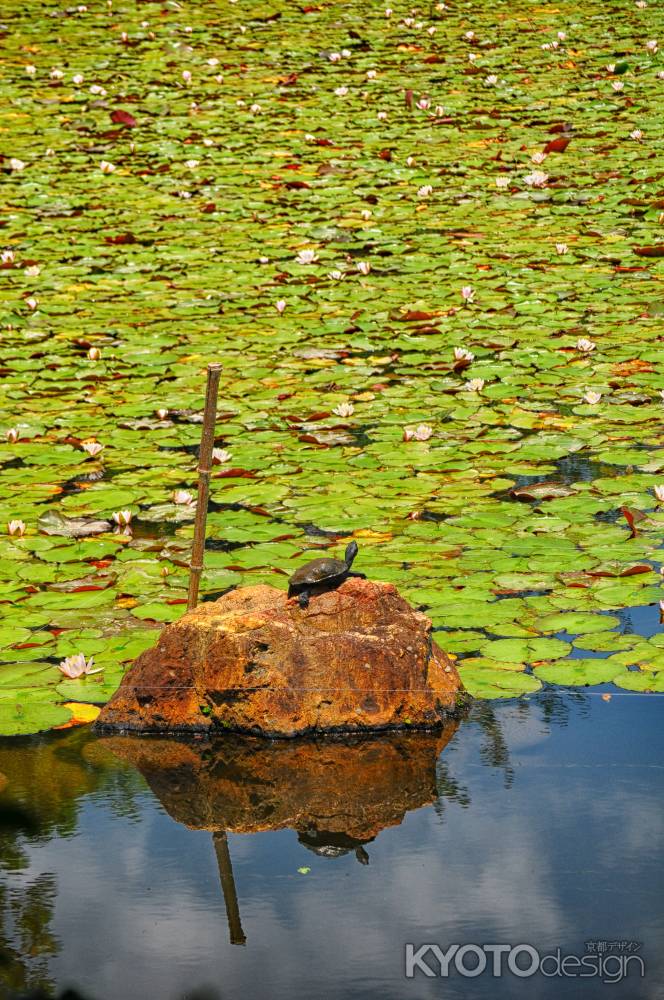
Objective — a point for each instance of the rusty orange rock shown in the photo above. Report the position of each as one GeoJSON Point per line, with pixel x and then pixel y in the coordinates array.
{"type": "Point", "coordinates": [357, 659]}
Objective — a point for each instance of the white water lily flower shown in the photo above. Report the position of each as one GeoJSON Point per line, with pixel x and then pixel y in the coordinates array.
{"type": "Point", "coordinates": [585, 345]}
{"type": "Point", "coordinates": [474, 385]}
{"type": "Point", "coordinates": [611, 67]}
{"type": "Point", "coordinates": [424, 191]}
{"type": "Point", "coordinates": [334, 56]}
{"type": "Point", "coordinates": [659, 493]}
{"type": "Point", "coordinates": [538, 158]}
{"type": "Point", "coordinates": [461, 354]}
{"type": "Point", "coordinates": [7, 257]}
{"type": "Point", "coordinates": [335, 275]}
{"type": "Point", "coordinates": [78, 79]}
{"type": "Point", "coordinates": [618, 85]}
{"type": "Point", "coordinates": [191, 164]}
{"type": "Point", "coordinates": [423, 104]}
{"type": "Point", "coordinates": [468, 293]}
{"type": "Point", "coordinates": [371, 74]}
{"type": "Point", "coordinates": [183, 497]}
{"type": "Point", "coordinates": [561, 248]}
{"type": "Point", "coordinates": [161, 413]}
{"type": "Point", "coordinates": [381, 116]}
{"type": "Point", "coordinates": [421, 433]}
{"type": "Point", "coordinates": [306, 257]}
{"type": "Point", "coordinates": [562, 36]}
{"type": "Point", "coordinates": [56, 74]}
{"type": "Point", "coordinates": [12, 435]}
{"type": "Point", "coordinates": [32, 302]}
{"type": "Point", "coordinates": [651, 46]}
{"type": "Point", "coordinates": [363, 267]}
{"type": "Point", "coordinates": [32, 272]}
{"type": "Point", "coordinates": [341, 91]}
{"type": "Point", "coordinates": [365, 214]}
{"type": "Point", "coordinates": [280, 305]}
{"type": "Point", "coordinates": [96, 89]}
{"type": "Point", "coordinates": [30, 70]}
{"type": "Point", "coordinates": [93, 448]}
{"type": "Point", "coordinates": [636, 134]}
{"type": "Point", "coordinates": [591, 397]}
{"type": "Point", "coordinates": [16, 164]}
{"type": "Point", "coordinates": [16, 528]}
{"type": "Point", "coordinates": [106, 167]}
{"type": "Point", "coordinates": [186, 76]}
{"type": "Point", "coordinates": [537, 179]}
{"type": "Point", "coordinates": [122, 517]}
{"type": "Point", "coordinates": [344, 410]}
{"type": "Point", "coordinates": [78, 666]}
{"type": "Point", "coordinates": [255, 109]}
{"type": "Point", "coordinates": [502, 182]}
{"type": "Point", "coordinates": [221, 455]}
{"type": "Point", "coordinates": [491, 80]}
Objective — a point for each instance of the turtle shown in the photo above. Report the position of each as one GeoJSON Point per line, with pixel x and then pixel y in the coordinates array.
{"type": "Point", "coordinates": [321, 574]}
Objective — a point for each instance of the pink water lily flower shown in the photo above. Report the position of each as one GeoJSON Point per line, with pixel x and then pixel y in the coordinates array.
{"type": "Point", "coordinates": [16, 527]}
{"type": "Point", "coordinates": [461, 354]}
{"type": "Point", "coordinates": [122, 518]}
{"type": "Point", "coordinates": [78, 666]}
{"type": "Point", "coordinates": [591, 397]}
{"type": "Point", "coordinates": [93, 448]}
{"type": "Point", "coordinates": [183, 497]}
{"type": "Point", "coordinates": [421, 433]}
{"type": "Point", "coordinates": [306, 257]}
{"type": "Point", "coordinates": [585, 346]}
{"type": "Point", "coordinates": [363, 267]}
{"type": "Point", "coordinates": [468, 293]}
{"type": "Point", "coordinates": [280, 305]}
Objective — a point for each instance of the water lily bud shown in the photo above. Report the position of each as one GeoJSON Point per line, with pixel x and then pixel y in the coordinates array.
{"type": "Point", "coordinates": [468, 293]}
{"type": "Point", "coordinates": [162, 414]}
{"type": "Point", "coordinates": [280, 305]}
{"type": "Point", "coordinates": [363, 266]}
{"type": "Point", "coordinates": [12, 435]}
{"type": "Point", "coordinates": [16, 528]}
{"type": "Point", "coordinates": [94, 354]}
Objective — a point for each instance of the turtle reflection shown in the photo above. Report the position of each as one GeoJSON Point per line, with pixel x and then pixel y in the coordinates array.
{"type": "Point", "coordinates": [336, 794]}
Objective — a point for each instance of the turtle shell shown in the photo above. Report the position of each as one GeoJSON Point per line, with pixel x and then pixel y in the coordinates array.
{"type": "Point", "coordinates": [318, 571]}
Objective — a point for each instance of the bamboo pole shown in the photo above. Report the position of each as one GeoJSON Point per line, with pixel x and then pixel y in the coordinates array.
{"type": "Point", "coordinates": [220, 841]}
{"type": "Point", "coordinates": [204, 463]}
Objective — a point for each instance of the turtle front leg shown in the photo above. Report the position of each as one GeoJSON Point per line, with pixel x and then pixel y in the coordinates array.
{"type": "Point", "coordinates": [303, 598]}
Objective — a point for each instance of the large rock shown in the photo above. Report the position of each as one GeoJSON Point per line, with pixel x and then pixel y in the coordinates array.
{"type": "Point", "coordinates": [357, 659]}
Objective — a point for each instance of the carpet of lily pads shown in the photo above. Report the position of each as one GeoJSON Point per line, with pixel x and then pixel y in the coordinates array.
{"type": "Point", "coordinates": [426, 246]}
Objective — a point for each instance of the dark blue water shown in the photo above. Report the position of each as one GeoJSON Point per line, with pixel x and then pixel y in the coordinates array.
{"type": "Point", "coordinates": [539, 823]}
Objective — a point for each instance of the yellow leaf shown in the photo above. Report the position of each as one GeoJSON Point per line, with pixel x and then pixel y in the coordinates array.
{"type": "Point", "coordinates": [81, 714]}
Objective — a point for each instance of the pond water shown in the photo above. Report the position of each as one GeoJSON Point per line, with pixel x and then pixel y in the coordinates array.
{"type": "Point", "coordinates": [148, 867]}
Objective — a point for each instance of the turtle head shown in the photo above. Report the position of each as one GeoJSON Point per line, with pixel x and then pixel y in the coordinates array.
{"type": "Point", "coordinates": [351, 552]}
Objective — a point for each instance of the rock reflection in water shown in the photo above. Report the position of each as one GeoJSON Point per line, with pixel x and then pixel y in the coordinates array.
{"type": "Point", "coordinates": [336, 794]}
